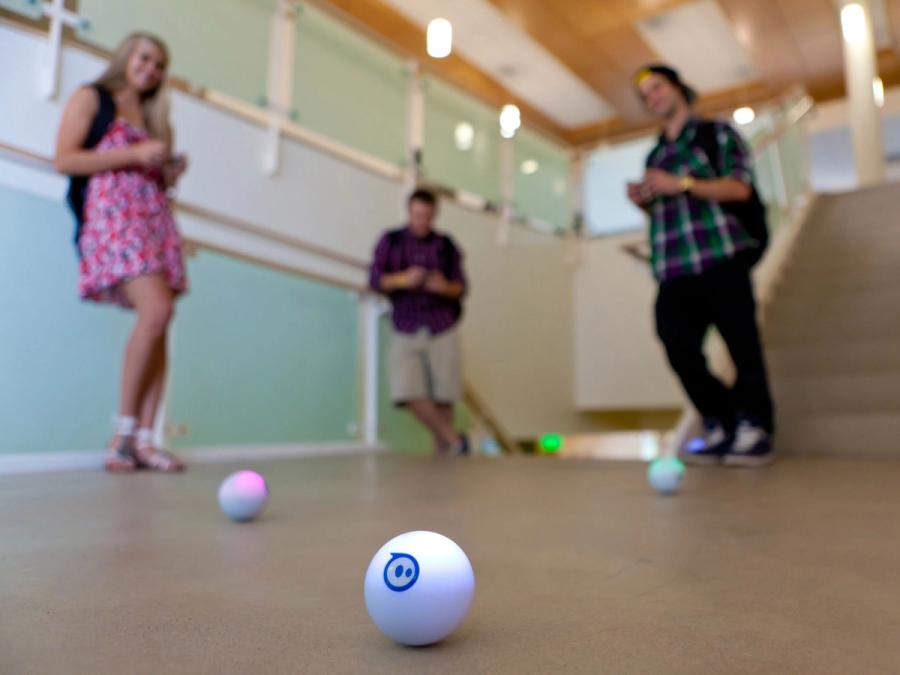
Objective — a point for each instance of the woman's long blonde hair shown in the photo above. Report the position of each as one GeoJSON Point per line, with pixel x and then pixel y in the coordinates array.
{"type": "Point", "coordinates": [154, 103]}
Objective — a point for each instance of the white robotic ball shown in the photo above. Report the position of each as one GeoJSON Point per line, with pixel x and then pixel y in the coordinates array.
{"type": "Point", "coordinates": [666, 475]}
{"type": "Point", "coordinates": [243, 496]}
{"type": "Point", "coordinates": [419, 588]}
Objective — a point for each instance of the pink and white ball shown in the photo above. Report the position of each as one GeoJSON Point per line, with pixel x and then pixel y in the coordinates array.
{"type": "Point", "coordinates": [419, 587]}
{"type": "Point", "coordinates": [243, 496]}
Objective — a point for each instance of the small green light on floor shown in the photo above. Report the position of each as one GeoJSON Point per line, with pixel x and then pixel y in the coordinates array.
{"type": "Point", "coordinates": [551, 443]}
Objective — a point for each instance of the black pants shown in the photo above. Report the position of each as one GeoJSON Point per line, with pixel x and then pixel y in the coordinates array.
{"type": "Point", "coordinates": [685, 309]}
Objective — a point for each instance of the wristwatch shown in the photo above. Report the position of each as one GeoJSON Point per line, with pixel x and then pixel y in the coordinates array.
{"type": "Point", "coordinates": [687, 183]}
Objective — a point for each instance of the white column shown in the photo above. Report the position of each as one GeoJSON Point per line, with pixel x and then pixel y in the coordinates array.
{"type": "Point", "coordinates": [507, 189]}
{"type": "Point", "coordinates": [55, 10]}
{"type": "Point", "coordinates": [280, 85]}
{"type": "Point", "coordinates": [860, 71]}
{"type": "Point", "coordinates": [415, 129]}
{"type": "Point", "coordinates": [370, 310]}
{"type": "Point", "coordinates": [778, 174]}
{"type": "Point", "coordinates": [577, 204]}
{"type": "Point", "coordinates": [576, 189]}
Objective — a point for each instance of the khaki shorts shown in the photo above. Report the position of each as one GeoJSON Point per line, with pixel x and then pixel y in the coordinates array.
{"type": "Point", "coordinates": [425, 366]}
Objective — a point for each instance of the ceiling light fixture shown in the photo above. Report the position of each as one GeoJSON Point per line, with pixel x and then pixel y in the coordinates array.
{"type": "Point", "coordinates": [744, 115]}
{"type": "Point", "coordinates": [439, 38]}
{"type": "Point", "coordinates": [853, 23]}
{"type": "Point", "coordinates": [878, 91]}
{"type": "Point", "coordinates": [510, 120]}
{"type": "Point", "coordinates": [530, 166]}
{"type": "Point", "coordinates": [464, 136]}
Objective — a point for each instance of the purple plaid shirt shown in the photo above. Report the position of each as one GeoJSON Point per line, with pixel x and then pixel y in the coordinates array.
{"type": "Point", "coordinates": [399, 250]}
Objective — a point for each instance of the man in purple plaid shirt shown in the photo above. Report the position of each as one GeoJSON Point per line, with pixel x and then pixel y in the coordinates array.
{"type": "Point", "coordinates": [421, 271]}
{"type": "Point", "coordinates": [701, 255]}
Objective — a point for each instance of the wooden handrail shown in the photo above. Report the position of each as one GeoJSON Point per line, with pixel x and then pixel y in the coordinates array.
{"type": "Point", "coordinates": [34, 159]}
{"type": "Point", "coordinates": [246, 227]}
{"type": "Point", "coordinates": [637, 250]}
{"type": "Point", "coordinates": [479, 408]}
{"type": "Point", "coordinates": [795, 115]}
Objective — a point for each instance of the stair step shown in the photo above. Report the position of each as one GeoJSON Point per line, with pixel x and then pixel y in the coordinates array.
{"type": "Point", "coordinates": [843, 244]}
{"type": "Point", "coordinates": [845, 358]}
{"type": "Point", "coordinates": [854, 435]}
{"type": "Point", "coordinates": [833, 329]}
{"type": "Point", "coordinates": [806, 284]}
{"type": "Point", "coordinates": [829, 393]}
{"type": "Point", "coordinates": [834, 275]}
{"type": "Point", "coordinates": [837, 299]}
{"type": "Point", "coordinates": [848, 306]}
{"type": "Point", "coordinates": [869, 269]}
{"type": "Point", "coordinates": [833, 222]}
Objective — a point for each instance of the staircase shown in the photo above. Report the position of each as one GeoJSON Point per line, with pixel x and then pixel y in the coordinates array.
{"type": "Point", "coordinates": [833, 330]}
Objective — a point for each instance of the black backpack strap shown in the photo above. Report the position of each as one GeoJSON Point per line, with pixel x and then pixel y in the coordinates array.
{"type": "Point", "coordinates": [708, 141]}
{"type": "Point", "coordinates": [447, 256]}
{"type": "Point", "coordinates": [393, 243]}
{"type": "Point", "coordinates": [752, 213]}
{"type": "Point", "coordinates": [106, 114]}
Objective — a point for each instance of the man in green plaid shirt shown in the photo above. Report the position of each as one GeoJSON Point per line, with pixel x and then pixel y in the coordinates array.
{"type": "Point", "coordinates": [700, 253]}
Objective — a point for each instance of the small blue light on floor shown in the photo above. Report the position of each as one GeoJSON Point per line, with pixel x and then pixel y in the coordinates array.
{"type": "Point", "coordinates": [695, 444]}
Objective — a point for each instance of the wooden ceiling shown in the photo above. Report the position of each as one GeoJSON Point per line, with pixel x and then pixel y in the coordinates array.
{"type": "Point", "coordinates": [789, 42]}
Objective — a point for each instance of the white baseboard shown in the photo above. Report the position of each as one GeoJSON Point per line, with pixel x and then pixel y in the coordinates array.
{"type": "Point", "coordinates": [92, 460]}
{"type": "Point", "coordinates": [239, 453]}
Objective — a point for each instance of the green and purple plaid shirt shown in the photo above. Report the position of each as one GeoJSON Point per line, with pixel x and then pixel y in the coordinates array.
{"type": "Point", "coordinates": [688, 235]}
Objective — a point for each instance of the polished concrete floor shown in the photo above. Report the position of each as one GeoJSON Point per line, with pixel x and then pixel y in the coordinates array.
{"type": "Point", "coordinates": [579, 567]}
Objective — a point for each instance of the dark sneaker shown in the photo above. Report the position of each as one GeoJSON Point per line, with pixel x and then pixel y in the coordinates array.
{"type": "Point", "coordinates": [462, 448]}
{"type": "Point", "coordinates": [709, 448]}
{"type": "Point", "coordinates": [752, 446]}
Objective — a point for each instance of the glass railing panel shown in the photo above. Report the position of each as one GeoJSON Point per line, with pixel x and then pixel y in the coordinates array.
{"type": "Point", "coordinates": [462, 141]}
{"type": "Point", "coordinates": [348, 87]}
{"type": "Point", "coordinates": [220, 44]}
{"type": "Point", "coordinates": [542, 180]}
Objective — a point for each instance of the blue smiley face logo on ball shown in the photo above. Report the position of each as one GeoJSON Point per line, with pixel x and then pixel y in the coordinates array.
{"type": "Point", "coordinates": [401, 572]}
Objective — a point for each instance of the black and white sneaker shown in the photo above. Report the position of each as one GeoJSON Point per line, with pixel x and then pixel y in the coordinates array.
{"type": "Point", "coordinates": [462, 448]}
{"type": "Point", "coordinates": [709, 448]}
{"type": "Point", "coordinates": [752, 446]}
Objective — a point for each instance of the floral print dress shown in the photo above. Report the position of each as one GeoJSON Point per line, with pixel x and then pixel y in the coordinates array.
{"type": "Point", "coordinates": [129, 230]}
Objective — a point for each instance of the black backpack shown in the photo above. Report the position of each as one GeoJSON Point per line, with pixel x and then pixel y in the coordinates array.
{"type": "Point", "coordinates": [751, 214]}
{"type": "Point", "coordinates": [105, 116]}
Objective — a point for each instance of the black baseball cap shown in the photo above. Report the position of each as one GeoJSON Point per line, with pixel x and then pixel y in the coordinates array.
{"type": "Point", "coordinates": [690, 95]}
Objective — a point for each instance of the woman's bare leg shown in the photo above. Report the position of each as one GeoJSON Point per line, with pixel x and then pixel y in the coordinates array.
{"type": "Point", "coordinates": [153, 300]}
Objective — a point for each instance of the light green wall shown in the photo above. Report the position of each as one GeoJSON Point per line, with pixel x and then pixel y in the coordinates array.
{"type": "Point", "coordinates": [263, 357]}
{"type": "Point", "coordinates": [476, 170]}
{"type": "Point", "coordinates": [258, 356]}
{"type": "Point", "coordinates": [349, 88]}
{"type": "Point", "coordinates": [222, 44]}
{"type": "Point", "coordinates": [545, 193]}
{"type": "Point", "coordinates": [29, 9]}
{"type": "Point", "coordinates": [59, 357]}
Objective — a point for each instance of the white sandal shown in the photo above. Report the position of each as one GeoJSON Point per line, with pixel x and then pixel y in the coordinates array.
{"type": "Point", "coordinates": [148, 456]}
{"type": "Point", "coordinates": [120, 457]}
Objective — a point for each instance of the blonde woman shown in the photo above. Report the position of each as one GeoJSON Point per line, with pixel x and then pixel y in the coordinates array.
{"type": "Point", "coordinates": [115, 142]}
